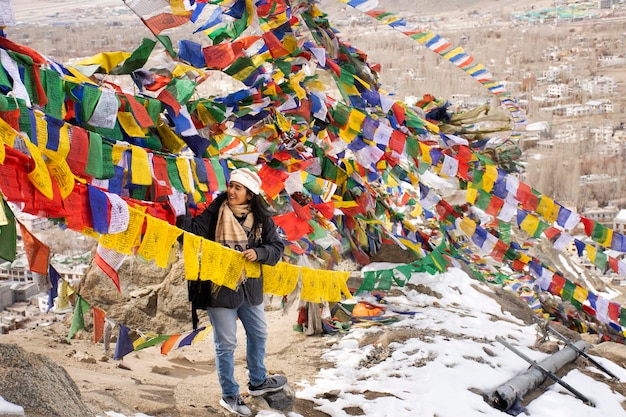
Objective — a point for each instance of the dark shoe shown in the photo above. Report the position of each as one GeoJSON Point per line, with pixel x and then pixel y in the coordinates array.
{"type": "Point", "coordinates": [271, 384]}
{"type": "Point", "coordinates": [235, 404]}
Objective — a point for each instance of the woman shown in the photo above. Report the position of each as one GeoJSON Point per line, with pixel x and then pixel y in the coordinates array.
{"type": "Point", "coordinates": [237, 219]}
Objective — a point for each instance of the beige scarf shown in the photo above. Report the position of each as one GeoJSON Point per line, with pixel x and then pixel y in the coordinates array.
{"type": "Point", "coordinates": [229, 232]}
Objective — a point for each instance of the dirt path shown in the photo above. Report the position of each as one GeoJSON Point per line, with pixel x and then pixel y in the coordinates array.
{"type": "Point", "coordinates": [184, 382]}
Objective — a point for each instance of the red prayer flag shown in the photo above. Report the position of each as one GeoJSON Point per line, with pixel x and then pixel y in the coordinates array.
{"type": "Point", "coordinates": [36, 252]}
{"type": "Point", "coordinates": [326, 209]}
{"type": "Point", "coordinates": [163, 21]}
{"type": "Point", "coordinates": [167, 98]}
{"type": "Point", "coordinates": [589, 224]}
{"type": "Point", "coordinates": [139, 111]}
{"type": "Point", "coordinates": [399, 113]}
{"type": "Point", "coordinates": [293, 226]}
{"type": "Point", "coordinates": [397, 141]}
{"type": "Point", "coordinates": [222, 55]}
{"type": "Point", "coordinates": [98, 324]}
{"type": "Point", "coordinates": [273, 180]}
{"type": "Point", "coordinates": [614, 310]}
{"type": "Point", "coordinates": [274, 45]}
{"type": "Point", "coordinates": [303, 212]}
{"type": "Point", "coordinates": [495, 204]}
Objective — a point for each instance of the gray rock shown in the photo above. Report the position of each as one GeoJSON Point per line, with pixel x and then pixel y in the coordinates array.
{"type": "Point", "coordinates": [39, 385]}
{"type": "Point", "coordinates": [282, 400]}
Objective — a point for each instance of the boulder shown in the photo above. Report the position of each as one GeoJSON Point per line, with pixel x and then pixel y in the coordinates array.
{"type": "Point", "coordinates": [39, 385]}
{"type": "Point", "coordinates": [152, 298]}
{"type": "Point", "coordinates": [615, 352]}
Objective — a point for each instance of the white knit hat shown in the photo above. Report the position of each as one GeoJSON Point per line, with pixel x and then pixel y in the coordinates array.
{"type": "Point", "coordinates": [247, 178]}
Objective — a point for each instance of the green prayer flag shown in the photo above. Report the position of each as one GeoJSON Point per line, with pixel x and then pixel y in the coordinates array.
{"type": "Point", "coordinates": [318, 231]}
{"type": "Point", "coordinates": [89, 101]}
{"type": "Point", "coordinates": [239, 65]}
{"type": "Point", "coordinates": [369, 282]}
{"type": "Point", "coordinates": [167, 44]}
{"type": "Point", "coordinates": [78, 321]}
{"type": "Point", "coordinates": [4, 79]}
{"type": "Point", "coordinates": [601, 260]}
{"type": "Point", "coordinates": [483, 200]}
{"type": "Point", "coordinates": [172, 173]}
{"type": "Point", "coordinates": [385, 279]}
{"type": "Point", "coordinates": [108, 169]}
{"type": "Point", "coordinates": [94, 156]}
{"type": "Point", "coordinates": [599, 232]}
{"type": "Point", "coordinates": [568, 291]}
{"type": "Point", "coordinates": [182, 90]}
{"type": "Point", "coordinates": [341, 114]}
{"type": "Point", "coordinates": [137, 59]}
{"type": "Point", "coordinates": [8, 235]}
{"type": "Point", "coordinates": [153, 341]}
{"type": "Point", "coordinates": [55, 91]}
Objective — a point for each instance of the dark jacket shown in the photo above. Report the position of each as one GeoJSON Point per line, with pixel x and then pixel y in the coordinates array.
{"type": "Point", "coordinates": [269, 251]}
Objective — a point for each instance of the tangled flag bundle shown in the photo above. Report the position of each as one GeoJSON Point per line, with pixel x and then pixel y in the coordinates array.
{"type": "Point", "coordinates": [341, 172]}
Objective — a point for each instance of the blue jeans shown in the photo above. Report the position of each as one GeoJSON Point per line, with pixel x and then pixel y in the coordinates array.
{"type": "Point", "coordinates": [224, 322]}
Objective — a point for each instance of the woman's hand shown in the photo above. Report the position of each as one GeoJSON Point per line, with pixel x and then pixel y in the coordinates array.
{"type": "Point", "coordinates": [250, 255]}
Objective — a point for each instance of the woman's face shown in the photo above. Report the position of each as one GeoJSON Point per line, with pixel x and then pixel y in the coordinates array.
{"type": "Point", "coordinates": [238, 194]}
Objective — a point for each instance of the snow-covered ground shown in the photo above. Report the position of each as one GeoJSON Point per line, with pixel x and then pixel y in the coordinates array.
{"type": "Point", "coordinates": [446, 358]}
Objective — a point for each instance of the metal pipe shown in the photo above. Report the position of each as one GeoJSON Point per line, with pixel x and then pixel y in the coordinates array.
{"type": "Point", "coordinates": [506, 396]}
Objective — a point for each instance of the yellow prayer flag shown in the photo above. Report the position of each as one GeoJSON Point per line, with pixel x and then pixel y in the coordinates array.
{"type": "Point", "coordinates": [280, 279]}
{"type": "Point", "coordinates": [140, 166]}
{"type": "Point", "coordinates": [130, 238]}
{"type": "Point", "coordinates": [40, 177]}
{"type": "Point", "coordinates": [471, 194]}
{"type": "Point", "coordinates": [191, 255]}
{"type": "Point", "coordinates": [554, 213]}
{"type": "Point", "coordinates": [356, 119]}
{"type": "Point", "coordinates": [156, 233]}
{"type": "Point", "coordinates": [282, 122]}
{"type": "Point", "coordinates": [580, 294]}
{"type": "Point", "coordinates": [490, 177]}
{"type": "Point", "coordinates": [61, 172]}
{"type": "Point", "coordinates": [210, 262]}
{"type": "Point", "coordinates": [530, 224]}
{"type": "Point", "coordinates": [162, 256]}
{"type": "Point", "coordinates": [347, 135]}
{"type": "Point", "coordinates": [231, 266]}
{"type": "Point", "coordinates": [117, 153]}
{"type": "Point", "coordinates": [591, 252]}
{"type": "Point", "coordinates": [130, 125]}
{"type": "Point", "coordinates": [468, 226]}
{"type": "Point", "coordinates": [7, 133]}
{"type": "Point", "coordinates": [453, 52]}
{"type": "Point", "coordinates": [310, 286]}
{"type": "Point", "coordinates": [183, 171]}
{"type": "Point", "coordinates": [425, 153]}
{"type": "Point", "coordinates": [41, 129]}
{"type": "Point", "coordinates": [204, 115]}
{"type": "Point", "coordinates": [253, 269]}
{"type": "Point", "coordinates": [2, 152]}
{"type": "Point", "coordinates": [169, 138]}
{"type": "Point", "coordinates": [106, 60]}
{"type": "Point", "coordinates": [544, 208]}
{"type": "Point", "coordinates": [64, 141]}
{"type": "Point", "coordinates": [294, 82]}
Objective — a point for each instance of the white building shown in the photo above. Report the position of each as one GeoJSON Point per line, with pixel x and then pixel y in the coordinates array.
{"type": "Point", "coordinates": [598, 86]}
{"type": "Point", "coordinates": [558, 90]}
{"type": "Point", "coordinates": [601, 134]}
